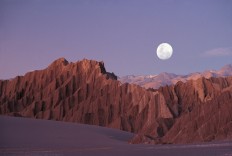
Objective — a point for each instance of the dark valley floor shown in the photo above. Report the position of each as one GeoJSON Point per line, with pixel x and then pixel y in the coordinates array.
{"type": "Point", "coordinates": [22, 136]}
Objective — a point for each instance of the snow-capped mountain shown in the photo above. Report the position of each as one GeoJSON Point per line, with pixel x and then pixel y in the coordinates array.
{"type": "Point", "coordinates": [162, 79]}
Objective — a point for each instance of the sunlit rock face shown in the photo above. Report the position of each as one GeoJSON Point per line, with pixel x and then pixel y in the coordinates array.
{"type": "Point", "coordinates": [82, 92]}
{"type": "Point", "coordinates": [85, 92]}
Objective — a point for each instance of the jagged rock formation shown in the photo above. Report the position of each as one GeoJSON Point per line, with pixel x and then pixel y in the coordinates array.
{"type": "Point", "coordinates": [84, 92]}
{"type": "Point", "coordinates": [202, 109]}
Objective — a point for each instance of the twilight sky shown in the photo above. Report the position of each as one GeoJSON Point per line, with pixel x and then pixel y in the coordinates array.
{"type": "Point", "coordinates": [122, 33]}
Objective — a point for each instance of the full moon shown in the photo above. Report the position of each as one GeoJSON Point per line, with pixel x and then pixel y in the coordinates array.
{"type": "Point", "coordinates": [164, 51]}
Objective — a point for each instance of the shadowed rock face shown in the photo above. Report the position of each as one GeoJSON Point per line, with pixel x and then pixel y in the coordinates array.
{"type": "Point", "coordinates": [204, 110]}
{"type": "Point", "coordinates": [85, 92]}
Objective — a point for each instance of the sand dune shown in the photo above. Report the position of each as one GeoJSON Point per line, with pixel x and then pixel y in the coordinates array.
{"type": "Point", "coordinates": [22, 136]}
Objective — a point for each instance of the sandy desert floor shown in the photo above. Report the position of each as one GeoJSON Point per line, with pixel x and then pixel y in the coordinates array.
{"type": "Point", "coordinates": [22, 136]}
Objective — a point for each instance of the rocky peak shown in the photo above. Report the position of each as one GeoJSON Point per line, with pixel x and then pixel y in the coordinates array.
{"type": "Point", "coordinates": [91, 64]}
{"type": "Point", "coordinates": [59, 62]}
{"type": "Point", "coordinates": [226, 70]}
{"type": "Point", "coordinates": [226, 67]}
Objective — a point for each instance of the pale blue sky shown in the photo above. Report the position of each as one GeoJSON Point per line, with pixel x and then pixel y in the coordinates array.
{"type": "Point", "coordinates": [122, 33]}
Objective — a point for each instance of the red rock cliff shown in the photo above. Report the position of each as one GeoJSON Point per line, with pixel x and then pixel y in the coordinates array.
{"type": "Point", "coordinates": [82, 92]}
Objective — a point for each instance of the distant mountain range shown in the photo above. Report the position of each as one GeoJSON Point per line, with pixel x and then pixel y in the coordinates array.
{"type": "Point", "coordinates": [162, 79]}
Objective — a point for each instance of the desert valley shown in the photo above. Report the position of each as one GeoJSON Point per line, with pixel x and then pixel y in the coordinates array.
{"type": "Point", "coordinates": [196, 112]}
{"type": "Point", "coordinates": [115, 78]}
